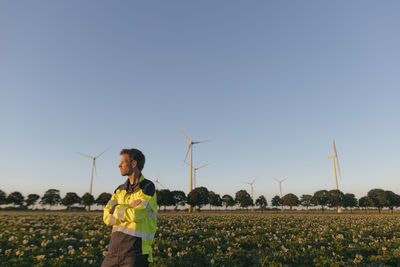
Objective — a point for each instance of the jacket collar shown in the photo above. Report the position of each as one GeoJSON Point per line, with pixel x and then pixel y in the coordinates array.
{"type": "Point", "coordinates": [132, 187]}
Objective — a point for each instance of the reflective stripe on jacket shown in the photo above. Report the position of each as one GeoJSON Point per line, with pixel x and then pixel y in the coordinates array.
{"type": "Point", "coordinates": [139, 222]}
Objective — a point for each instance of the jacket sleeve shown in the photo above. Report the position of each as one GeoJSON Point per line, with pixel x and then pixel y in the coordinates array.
{"type": "Point", "coordinates": [143, 210]}
{"type": "Point", "coordinates": [108, 217]}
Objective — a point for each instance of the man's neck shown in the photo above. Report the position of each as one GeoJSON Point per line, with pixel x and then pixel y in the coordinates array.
{"type": "Point", "coordinates": [134, 177]}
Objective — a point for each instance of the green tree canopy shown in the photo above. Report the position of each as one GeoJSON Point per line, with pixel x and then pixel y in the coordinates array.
{"type": "Point", "coordinates": [214, 199]}
{"type": "Point", "coordinates": [179, 198]}
{"type": "Point", "coordinates": [16, 198]}
{"type": "Point", "coordinates": [103, 199]}
{"type": "Point", "coordinates": [3, 197]}
{"type": "Point", "coordinates": [228, 201]}
{"type": "Point", "coordinates": [290, 200]}
{"type": "Point", "coordinates": [87, 200]}
{"type": "Point", "coordinates": [305, 200]}
{"type": "Point", "coordinates": [335, 198]}
{"type": "Point", "coordinates": [378, 196]}
{"type": "Point", "coordinates": [393, 200]}
{"type": "Point", "coordinates": [31, 199]}
{"type": "Point", "coordinates": [51, 197]}
{"type": "Point", "coordinates": [261, 202]}
{"type": "Point", "coordinates": [349, 201]}
{"type": "Point", "coordinates": [276, 201]}
{"type": "Point", "coordinates": [198, 197]}
{"type": "Point", "coordinates": [320, 198]}
{"type": "Point", "coordinates": [70, 199]}
{"type": "Point", "coordinates": [165, 198]}
{"type": "Point", "coordinates": [244, 199]}
{"type": "Point", "coordinates": [366, 202]}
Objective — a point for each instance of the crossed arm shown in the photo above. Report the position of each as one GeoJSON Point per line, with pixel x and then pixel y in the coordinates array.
{"type": "Point", "coordinates": [136, 211]}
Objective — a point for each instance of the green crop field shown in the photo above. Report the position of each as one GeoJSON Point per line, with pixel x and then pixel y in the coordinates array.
{"type": "Point", "coordinates": [220, 239]}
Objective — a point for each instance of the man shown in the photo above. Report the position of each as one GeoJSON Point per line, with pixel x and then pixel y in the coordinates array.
{"type": "Point", "coordinates": [132, 212]}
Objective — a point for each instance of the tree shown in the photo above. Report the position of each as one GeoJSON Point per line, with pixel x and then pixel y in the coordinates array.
{"type": "Point", "coordinates": [87, 200]}
{"type": "Point", "coordinates": [214, 199]}
{"type": "Point", "coordinates": [393, 200]}
{"type": "Point", "coordinates": [276, 201]}
{"type": "Point", "coordinates": [261, 201]}
{"type": "Point", "coordinates": [228, 201]}
{"type": "Point", "coordinates": [305, 201]}
{"type": "Point", "coordinates": [198, 197]}
{"type": "Point", "coordinates": [320, 198]}
{"type": "Point", "coordinates": [3, 197]}
{"type": "Point", "coordinates": [179, 198]}
{"type": "Point", "coordinates": [31, 199]}
{"type": "Point", "coordinates": [165, 198]}
{"type": "Point", "coordinates": [70, 199]}
{"type": "Point", "coordinates": [16, 198]}
{"type": "Point", "coordinates": [366, 202]}
{"type": "Point", "coordinates": [103, 199]}
{"type": "Point", "coordinates": [290, 200]}
{"type": "Point", "coordinates": [51, 197]}
{"type": "Point", "coordinates": [335, 198]}
{"type": "Point", "coordinates": [379, 198]}
{"type": "Point", "coordinates": [349, 201]}
{"type": "Point", "coordinates": [244, 199]}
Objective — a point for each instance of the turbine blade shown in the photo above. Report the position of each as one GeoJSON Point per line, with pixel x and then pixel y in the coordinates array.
{"type": "Point", "coordinates": [187, 152]}
{"type": "Point", "coordinates": [204, 141]}
{"type": "Point", "coordinates": [161, 185]}
{"type": "Point", "coordinates": [189, 164]}
{"type": "Point", "coordinates": [202, 166]}
{"type": "Point", "coordinates": [253, 181]}
{"type": "Point", "coordinates": [190, 141]}
{"type": "Point", "coordinates": [102, 152]}
{"type": "Point", "coordinates": [338, 168]}
{"type": "Point", "coordinates": [87, 156]}
{"type": "Point", "coordinates": [334, 147]}
{"type": "Point", "coordinates": [284, 179]}
{"type": "Point", "coordinates": [95, 168]}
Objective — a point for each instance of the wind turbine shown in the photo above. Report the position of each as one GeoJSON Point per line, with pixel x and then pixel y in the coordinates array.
{"type": "Point", "coordinates": [194, 172]}
{"type": "Point", "coordinates": [251, 190]}
{"type": "Point", "coordinates": [335, 163]}
{"type": "Point", "coordinates": [280, 187]}
{"type": "Point", "coordinates": [93, 158]}
{"type": "Point", "coordinates": [190, 148]}
{"type": "Point", "coordinates": [157, 182]}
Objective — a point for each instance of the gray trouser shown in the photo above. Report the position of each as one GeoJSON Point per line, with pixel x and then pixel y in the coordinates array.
{"type": "Point", "coordinates": [115, 260]}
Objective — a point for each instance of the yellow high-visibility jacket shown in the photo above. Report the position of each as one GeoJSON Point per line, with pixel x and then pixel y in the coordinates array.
{"type": "Point", "coordinates": [133, 229]}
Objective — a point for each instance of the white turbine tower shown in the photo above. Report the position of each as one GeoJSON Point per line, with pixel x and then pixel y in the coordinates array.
{"type": "Point", "coordinates": [157, 182]}
{"type": "Point", "coordinates": [194, 172]}
{"type": "Point", "coordinates": [93, 158]}
{"type": "Point", "coordinates": [335, 162]}
{"type": "Point", "coordinates": [280, 187]}
{"type": "Point", "coordinates": [190, 148]}
{"type": "Point", "coordinates": [251, 190]}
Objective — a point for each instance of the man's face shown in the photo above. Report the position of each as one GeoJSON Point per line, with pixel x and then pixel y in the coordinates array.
{"type": "Point", "coordinates": [126, 166]}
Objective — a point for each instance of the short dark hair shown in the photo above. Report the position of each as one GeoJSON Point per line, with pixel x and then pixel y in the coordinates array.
{"type": "Point", "coordinates": [135, 154]}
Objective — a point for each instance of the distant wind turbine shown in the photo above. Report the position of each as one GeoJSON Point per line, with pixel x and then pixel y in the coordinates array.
{"type": "Point", "coordinates": [190, 148]}
{"type": "Point", "coordinates": [335, 162]}
{"type": "Point", "coordinates": [157, 182]}
{"type": "Point", "coordinates": [93, 158]}
{"type": "Point", "coordinates": [251, 190]}
{"type": "Point", "coordinates": [194, 172]}
{"type": "Point", "coordinates": [280, 188]}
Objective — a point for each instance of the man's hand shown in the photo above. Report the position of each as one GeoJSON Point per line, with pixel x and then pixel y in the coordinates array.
{"type": "Point", "coordinates": [135, 203]}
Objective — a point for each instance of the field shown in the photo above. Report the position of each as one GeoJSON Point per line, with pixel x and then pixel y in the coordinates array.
{"type": "Point", "coordinates": [223, 239]}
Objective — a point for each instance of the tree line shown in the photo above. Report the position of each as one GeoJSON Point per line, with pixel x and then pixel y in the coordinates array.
{"type": "Point", "coordinates": [51, 198]}
{"type": "Point", "coordinates": [201, 196]}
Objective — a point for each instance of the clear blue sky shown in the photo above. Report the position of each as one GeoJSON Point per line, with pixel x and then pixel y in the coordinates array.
{"type": "Point", "coordinates": [273, 82]}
